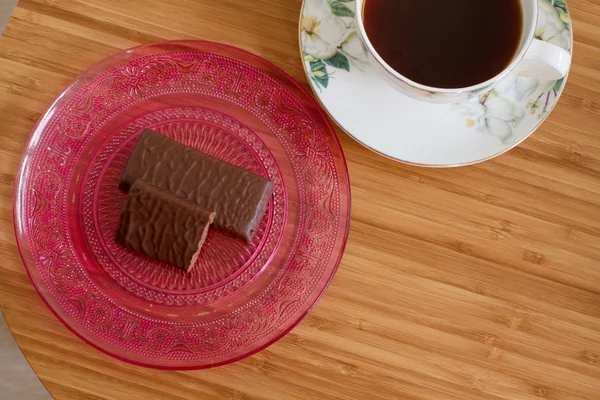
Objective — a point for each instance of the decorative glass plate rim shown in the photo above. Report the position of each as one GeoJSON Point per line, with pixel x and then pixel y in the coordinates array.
{"type": "Point", "coordinates": [101, 65]}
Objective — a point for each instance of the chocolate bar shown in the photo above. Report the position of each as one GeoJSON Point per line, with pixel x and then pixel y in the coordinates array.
{"type": "Point", "coordinates": [239, 197]}
{"type": "Point", "coordinates": [163, 226]}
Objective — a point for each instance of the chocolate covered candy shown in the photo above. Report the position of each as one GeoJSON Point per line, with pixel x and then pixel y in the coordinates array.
{"type": "Point", "coordinates": [239, 197]}
{"type": "Point", "coordinates": [163, 226]}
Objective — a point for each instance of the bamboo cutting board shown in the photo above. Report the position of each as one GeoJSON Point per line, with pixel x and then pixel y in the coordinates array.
{"type": "Point", "coordinates": [476, 283]}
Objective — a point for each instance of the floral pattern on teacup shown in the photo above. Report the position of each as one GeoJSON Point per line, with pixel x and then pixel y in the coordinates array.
{"type": "Point", "coordinates": [500, 111]}
{"type": "Point", "coordinates": [330, 40]}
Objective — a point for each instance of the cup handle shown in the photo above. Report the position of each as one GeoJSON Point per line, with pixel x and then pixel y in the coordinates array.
{"type": "Point", "coordinates": [544, 61]}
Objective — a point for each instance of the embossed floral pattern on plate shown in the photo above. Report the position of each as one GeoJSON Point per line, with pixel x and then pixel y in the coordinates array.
{"type": "Point", "coordinates": [228, 103]}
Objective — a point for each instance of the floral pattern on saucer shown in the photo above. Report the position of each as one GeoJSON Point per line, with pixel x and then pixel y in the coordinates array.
{"type": "Point", "coordinates": [500, 111]}
{"type": "Point", "coordinates": [417, 132]}
{"type": "Point", "coordinates": [330, 40]}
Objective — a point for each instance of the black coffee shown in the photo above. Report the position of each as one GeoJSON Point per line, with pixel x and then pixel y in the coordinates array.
{"type": "Point", "coordinates": [445, 43]}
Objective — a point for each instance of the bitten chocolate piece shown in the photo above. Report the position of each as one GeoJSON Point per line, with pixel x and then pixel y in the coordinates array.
{"type": "Point", "coordinates": [239, 197]}
{"type": "Point", "coordinates": [163, 226]}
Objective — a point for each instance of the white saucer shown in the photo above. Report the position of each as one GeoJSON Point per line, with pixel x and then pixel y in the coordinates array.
{"type": "Point", "coordinates": [411, 131]}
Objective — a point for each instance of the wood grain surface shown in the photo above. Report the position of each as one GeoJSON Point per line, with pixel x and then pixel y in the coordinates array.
{"type": "Point", "coordinates": [481, 282]}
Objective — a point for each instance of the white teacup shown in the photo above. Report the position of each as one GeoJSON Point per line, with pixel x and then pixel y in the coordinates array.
{"type": "Point", "coordinates": [534, 58]}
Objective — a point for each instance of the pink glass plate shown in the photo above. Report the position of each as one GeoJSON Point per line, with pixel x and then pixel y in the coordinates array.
{"type": "Point", "coordinates": [241, 297]}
